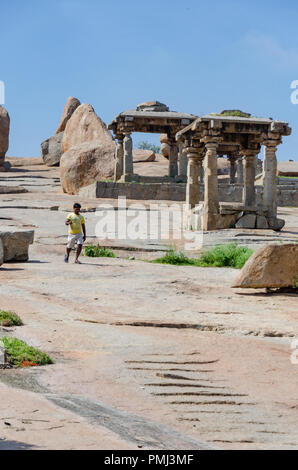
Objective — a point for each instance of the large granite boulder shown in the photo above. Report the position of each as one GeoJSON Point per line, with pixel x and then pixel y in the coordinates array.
{"type": "Point", "coordinates": [289, 168]}
{"type": "Point", "coordinates": [16, 245]}
{"type": "Point", "coordinates": [272, 266]}
{"type": "Point", "coordinates": [87, 150]}
{"type": "Point", "coordinates": [70, 106]}
{"type": "Point", "coordinates": [51, 150]}
{"type": "Point", "coordinates": [4, 136]}
{"type": "Point", "coordinates": [140, 155]}
{"type": "Point", "coordinates": [51, 147]}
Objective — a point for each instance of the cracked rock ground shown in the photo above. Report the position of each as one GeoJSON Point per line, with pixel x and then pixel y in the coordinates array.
{"type": "Point", "coordinates": [147, 356]}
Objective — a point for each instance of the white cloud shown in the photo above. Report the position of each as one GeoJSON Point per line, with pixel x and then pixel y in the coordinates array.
{"type": "Point", "coordinates": [268, 47]}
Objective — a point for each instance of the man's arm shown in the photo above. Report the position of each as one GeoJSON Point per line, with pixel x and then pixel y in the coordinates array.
{"type": "Point", "coordinates": [68, 222]}
{"type": "Point", "coordinates": [84, 231]}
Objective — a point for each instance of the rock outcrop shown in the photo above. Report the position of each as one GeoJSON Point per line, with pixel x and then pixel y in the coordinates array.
{"type": "Point", "coordinates": [51, 150]}
{"type": "Point", "coordinates": [289, 168]}
{"type": "Point", "coordinates": [16, 245]}
{"type": "Point", "coordinates": [273, 266]}
{"type": "Point", "coordinates": [70, 106]}
{"type": "Point", "coordinates": [51, 147]}
{"type": "Point", "coordinates": [140, 155]}
{"type": "Point", "coordinates": [4, 137]}
{"type": "Point", "coordinates": [87, 150]}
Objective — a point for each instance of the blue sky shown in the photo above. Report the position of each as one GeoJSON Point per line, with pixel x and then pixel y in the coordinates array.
{"type": "Point", "coordinates": [195, 56]}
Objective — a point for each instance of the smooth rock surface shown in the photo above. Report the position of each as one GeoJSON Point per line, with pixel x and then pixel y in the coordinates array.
{"type": "Point", "coordinates": [88, 150]}
{"type": "Point", "coordinates": [51, 150]}
{"type": "Point", "coordinates": [273, 266]}
{"type": "Point", "coordinates": [140, 155]}
{"type": "Point", "coordinates": [70, 106]}
{"type": "Point", "coordinates": [4, 133]}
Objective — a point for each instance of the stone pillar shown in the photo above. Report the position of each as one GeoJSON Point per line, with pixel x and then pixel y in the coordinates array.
{"type": "Point", "coordinates": [232, 161]}
{"type": "Point", "coordinates": [118, 171]}
{"type": "Point", "coordinates": [192, 186]}
{"type": "Point", "coordinates": [201, 170]}
{"type": "Point", "coordinates": [128, 158]}
{"type": "Point", "coordinates": [182, 161]}
{"type": "Point", "coordinates": [249, 190]}
{"type": "Point", "coordinates": [240, 171]}
{"type": "Point", "coordinates": [173, 159]}
{"type": "Point", "coordinates": [270, 178]}
{"type": "Point", "coordinates": [211, 198]}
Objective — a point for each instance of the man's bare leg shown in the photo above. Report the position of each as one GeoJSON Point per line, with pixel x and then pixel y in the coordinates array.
{"type": "Point", "coordinates": [79, 249]}
{"type": "Point", "coordinates": [66, 258]}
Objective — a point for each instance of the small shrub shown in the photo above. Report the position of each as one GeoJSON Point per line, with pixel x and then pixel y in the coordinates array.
{"type": "Point", "coordinates": [173, 257]}
{"type": "Point", "coordinates": [9, 319]}
{"type": "Point", "coordinates": [21, 354]}
{"type": "Point", "coordinates": [231, 255]}
{"type": "Point", "coordinates": [96, 251]}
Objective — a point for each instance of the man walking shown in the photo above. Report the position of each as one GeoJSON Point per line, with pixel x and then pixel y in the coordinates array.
{"type": "Point", "coordinates": [76, 232]}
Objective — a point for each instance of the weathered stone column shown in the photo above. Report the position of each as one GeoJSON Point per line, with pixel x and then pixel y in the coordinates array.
{"type": "Point", "coordinates": [240, 171]}
{"type": "Point", "coordinates": [201, 170]}
{"type": "Point", "coordinates": [173, 158]}
{"type": "Point", "coordinates": [192, 186]}
{"type": "Point", "coordinates": [128, 158]}
{"type": "Point", "coordinates": [249, 191]}
{"type": "Point", "coordinates": [232, 161]}
{"type": "Point", "coordinates": [211, 198]}
{"type": "Point", "coordinates": [182, 161]}
{"type": "Point", "coordinates": [118, 171]}
{"type": "Point", "coordinates": [270, 178]}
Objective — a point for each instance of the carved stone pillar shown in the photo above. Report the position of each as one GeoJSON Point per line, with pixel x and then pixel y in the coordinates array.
{"type": "Point", "coordinates": [201, 170]}
{"type": "Point", "coordinates": [211, 198]}
{"type": "Point", "coordinates": [270, 178]}
{"type": "Point", "coordinates": [249, 190]}
{"type": "Point", "coordinates": [118, 171]}
{"type": "Point", "coordinates": [182, 161]}
{"type": "Point", "coordinates": [240, 171]}
{"type": "Point", "coordinates": [128, 158]}
{"type": "Point", "coordinates": [232, 160]}
{"type": "Point", "coordinates": [173, 158]}
{"type": "Point", "coordinates": [192, 186]}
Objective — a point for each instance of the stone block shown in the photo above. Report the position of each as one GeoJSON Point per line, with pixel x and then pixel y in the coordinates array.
{"type": "Point", "coordinates": [275, 223]}
{"type": "Point", "coordinates": [262, 222]}
{"type": "Point", "coordinates": [246, 221]}
{"type": "Point", "coordinates": [16, 245]}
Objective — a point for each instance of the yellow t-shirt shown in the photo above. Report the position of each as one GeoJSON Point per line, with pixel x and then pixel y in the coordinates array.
{"type": "Point", "coordinates": [76, 223]}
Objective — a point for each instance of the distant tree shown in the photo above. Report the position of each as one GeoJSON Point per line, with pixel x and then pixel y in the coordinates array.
{"type": "Point", "coordinates": [145, 145]}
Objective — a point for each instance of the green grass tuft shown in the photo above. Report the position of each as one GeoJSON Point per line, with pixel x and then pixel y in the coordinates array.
{"type": "Point", "coordinates": [96, 251]}
{"type": "Point", "coordinates": [230, 255]}
{"type": "Point", "coordinates": [9, 319]}
{"type": "Point", "coordinates": [19, 352]}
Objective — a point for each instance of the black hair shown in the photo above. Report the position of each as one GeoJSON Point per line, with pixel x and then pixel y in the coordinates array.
{"type": "Point", "coordinates": [77, 205]}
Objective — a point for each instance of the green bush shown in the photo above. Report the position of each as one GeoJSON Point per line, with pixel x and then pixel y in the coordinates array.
{"type": "Point", "coordinates": [173, 257]}
{"type": "Point", "coordinates": [9, 319]}
{"type": "Point", "coordinates": [96, 251]}
{"type": "Point", "coordinates": [19, 352]}
{"type": "Point", "coordinates": [231, 255]}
